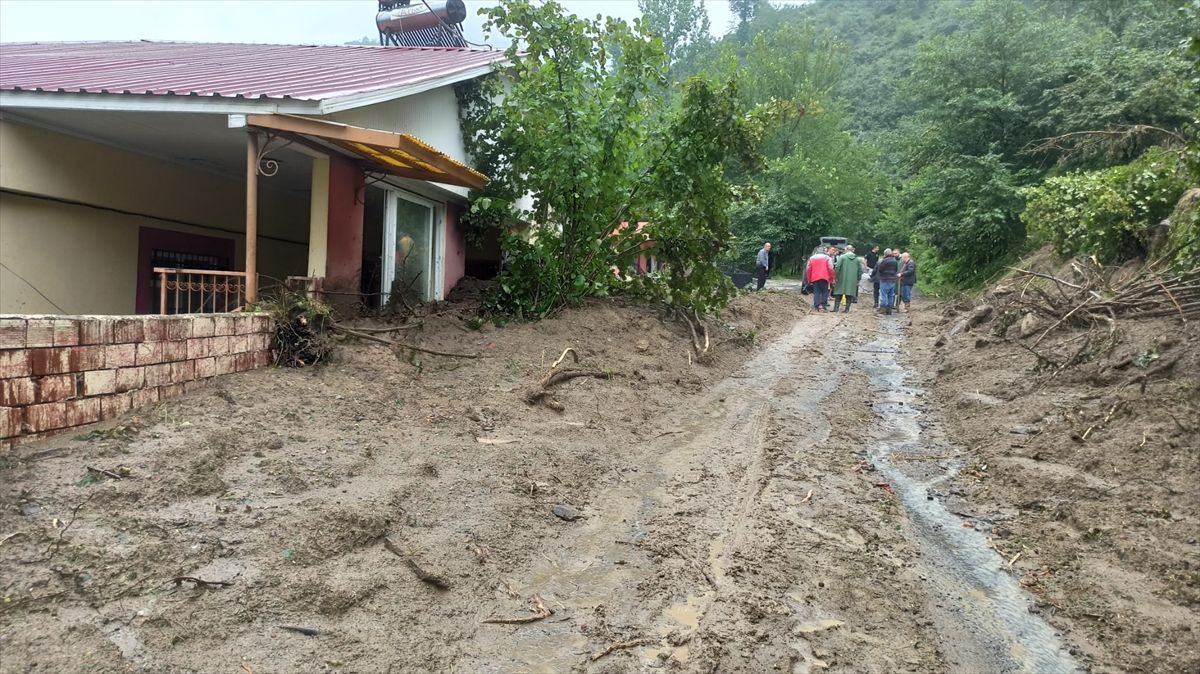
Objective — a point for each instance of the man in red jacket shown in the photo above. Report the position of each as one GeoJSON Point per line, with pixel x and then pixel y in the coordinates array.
{"type": "Point", "coordinates": [820, 275]}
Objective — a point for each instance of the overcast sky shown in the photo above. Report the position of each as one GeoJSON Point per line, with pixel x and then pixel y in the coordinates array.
{"type": "Point", "coordinates": [273, 21]}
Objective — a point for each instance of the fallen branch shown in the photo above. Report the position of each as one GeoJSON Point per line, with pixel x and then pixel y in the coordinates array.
{"type": "Point", "coordinates": [22, 533]}
{"type": "Point", "coordinates": [53, 549]}
{"type": "Point", "coordinates": [808, 498]}
{"type": "Point", "coordinates": [306, 631]}
{"type": "Point", "coordinates": [394, 328]}
{"type": "Point", "coordinates": [106, 473]}
{"type": "Point", "coordinates": [622, 646]}
{"type": "Point", "coordinates": [555, 377]}
{"type": "Point", "coordinates": [199, 582]}
{"type": "Point", "coordinates": [540, 613]}
{"type": "Point", "coordinates": [567, 375]}
{"type": "Point", "coordinates": [425, 577]}
{"type": "Point", "coordinates": [403, 345]}
{"type": "Point", "coordinates": [1173, 301]}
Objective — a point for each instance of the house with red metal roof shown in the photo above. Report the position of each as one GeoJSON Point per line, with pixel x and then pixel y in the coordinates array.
{"type": "Point", "coordinates": [160, 177]}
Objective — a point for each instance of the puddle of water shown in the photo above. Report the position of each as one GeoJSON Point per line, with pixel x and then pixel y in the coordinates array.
{"type": "Point", "coordinates": [992, 611]}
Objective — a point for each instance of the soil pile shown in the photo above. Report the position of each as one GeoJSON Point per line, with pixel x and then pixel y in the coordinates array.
{"type": "Point", "coordinates": [197, 535]}
{"type": "Point", "coordinates": [1082, 438]}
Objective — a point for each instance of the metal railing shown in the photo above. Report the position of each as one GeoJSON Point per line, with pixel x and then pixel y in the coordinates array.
{"type": "Point", "coordinates": [200, 291]}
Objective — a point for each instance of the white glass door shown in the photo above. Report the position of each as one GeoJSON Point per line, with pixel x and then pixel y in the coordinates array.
{"type": "Point", "coordinates": [411, 259]}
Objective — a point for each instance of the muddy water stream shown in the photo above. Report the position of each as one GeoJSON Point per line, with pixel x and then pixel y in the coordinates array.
{"type": "Point", "coordinates": [974, 599]}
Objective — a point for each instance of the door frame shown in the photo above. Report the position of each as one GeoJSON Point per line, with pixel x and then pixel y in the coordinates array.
{"type": "Point", "coordinates": [151, 238]}
{"type": "Point", "coordinates": [437, 237]}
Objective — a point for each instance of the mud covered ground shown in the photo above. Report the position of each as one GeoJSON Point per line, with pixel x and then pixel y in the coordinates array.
{"type": "Point", "coordinates": [784, 507]}
{"type": "Point", "coordinates": [1084, 477]}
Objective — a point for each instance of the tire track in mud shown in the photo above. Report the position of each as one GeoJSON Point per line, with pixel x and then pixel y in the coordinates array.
{"type": "Point", "coordinates": [595, 568]}
{"type": "Point", "coordinates": [709, 551]}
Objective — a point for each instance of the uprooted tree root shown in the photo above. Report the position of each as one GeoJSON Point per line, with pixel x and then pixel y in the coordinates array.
{"type": "Point", "coordinates": [556, 376]}
{"type": "Point", "coordinates": [698, 327]}
{"type": "Point", "coordinates": [302, 329]}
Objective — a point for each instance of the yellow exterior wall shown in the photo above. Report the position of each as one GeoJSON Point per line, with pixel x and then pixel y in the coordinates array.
{"type": "Point", "coordinates": [85, 259]}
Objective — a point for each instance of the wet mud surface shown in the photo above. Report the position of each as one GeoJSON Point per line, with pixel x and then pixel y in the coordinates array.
{"type": "Point", "coordinates": [767, 512]}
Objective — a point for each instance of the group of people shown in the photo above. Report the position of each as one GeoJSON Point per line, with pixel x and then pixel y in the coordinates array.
{"type": "Point", "coordinates": [835, 274]}
{"type": "Point", "coordinates": [893, 276]}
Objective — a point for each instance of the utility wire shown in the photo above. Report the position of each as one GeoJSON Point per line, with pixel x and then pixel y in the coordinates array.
{"type": "Point", "coordinates": [35, 289]}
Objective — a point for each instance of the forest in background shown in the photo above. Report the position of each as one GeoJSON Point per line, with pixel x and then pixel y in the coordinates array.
{"type": "Point", "coordinates": [966, 131]}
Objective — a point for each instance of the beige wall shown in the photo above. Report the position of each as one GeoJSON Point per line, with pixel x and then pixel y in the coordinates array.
{"type": "Point", "coordinates": [85, 259]}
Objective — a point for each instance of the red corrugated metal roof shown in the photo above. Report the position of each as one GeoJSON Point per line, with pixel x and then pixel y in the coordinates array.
{"type": "Point", "coordinates": [300, 72]}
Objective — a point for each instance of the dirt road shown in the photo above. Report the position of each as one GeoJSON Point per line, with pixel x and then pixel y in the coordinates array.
{"type": "Point", "coordinates": [773, 515]}
{"type": "Point", "coordinates": [769, 529]}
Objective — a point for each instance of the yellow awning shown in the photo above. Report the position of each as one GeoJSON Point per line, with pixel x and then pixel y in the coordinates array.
{"type": "Point", "coordinates": [381, 151]}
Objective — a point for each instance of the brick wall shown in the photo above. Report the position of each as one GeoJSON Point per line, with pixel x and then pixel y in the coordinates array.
{"type": "Point", "coordinates": [57, 372]}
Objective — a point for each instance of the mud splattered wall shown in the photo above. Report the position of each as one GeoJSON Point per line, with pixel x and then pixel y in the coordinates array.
{"type": "Point", "coordinates": [58, 372]}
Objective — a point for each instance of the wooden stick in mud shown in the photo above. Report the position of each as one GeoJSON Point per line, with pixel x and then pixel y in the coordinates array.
{"type": "Point", "coordinates": [703, 571]}
{"type": "Point", "coordinates": [564, 355]}
{"type": "Point", "coordinates": [389, 342]}
{"type": "Point", "coordinates": [53, 549]}
{"type": "Point", "coordinates": [426, 577]}
{"type": "Point", "coordinates": [622, 646]}
{"type": "Point", "coordinates": [540, 613]}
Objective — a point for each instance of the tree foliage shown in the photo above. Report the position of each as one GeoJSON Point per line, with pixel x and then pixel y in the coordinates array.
{"type": "Point", "coordinates": [575, 122]}
{"type": "Point", "coordinates": [681, 24]}
{"type": "Point", "coordinates": [1109, 213]}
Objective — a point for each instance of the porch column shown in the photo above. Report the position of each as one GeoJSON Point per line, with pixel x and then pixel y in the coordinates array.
{"type": "Point", "coordinates": [344, 235]}
{"type": "Point", "coordinates": [318, 219]}
{"type": "Point", "coordinates": [251, 217]}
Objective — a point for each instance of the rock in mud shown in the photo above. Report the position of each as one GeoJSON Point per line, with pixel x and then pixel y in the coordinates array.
{"type": "Point", "coordinates": [1030, 324]}
{"type": "Point", "coordinates": [978, 315]}
{"type": "Point", "coordinates": [565, 512]}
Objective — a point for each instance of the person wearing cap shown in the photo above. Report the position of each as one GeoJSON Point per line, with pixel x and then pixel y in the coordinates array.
{"type": "Point", "coordinates": [908, 279]}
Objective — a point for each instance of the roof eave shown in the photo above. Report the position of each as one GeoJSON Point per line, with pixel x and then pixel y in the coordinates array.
{"type": "Point", "coordinates": [61, 100]}
{"type": "Point", "coordinates": [357, 100]}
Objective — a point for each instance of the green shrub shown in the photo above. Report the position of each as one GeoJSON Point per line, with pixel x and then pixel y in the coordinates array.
{"type": "Point", "coordinates": [1108, 213]}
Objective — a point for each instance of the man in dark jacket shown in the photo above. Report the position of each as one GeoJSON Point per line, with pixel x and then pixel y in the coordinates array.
{"type": "Point", "coordinates": [908, 279]}
{"type": "Point", "coordinates": [886, 274]}
{"type": "Point", "coordinates": [872, 260]}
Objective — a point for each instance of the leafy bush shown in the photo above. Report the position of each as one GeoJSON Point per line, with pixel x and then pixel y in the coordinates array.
{"type": "Point", "coordinates": [966, 210]}
{"type": "Point", "coordinates": [533, 285]}
{"type": "Point", "coordinates": [1108, 213]}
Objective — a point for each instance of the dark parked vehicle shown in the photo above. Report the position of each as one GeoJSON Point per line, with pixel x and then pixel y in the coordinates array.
{"type": "Point", "coordinates": [826, 241]}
